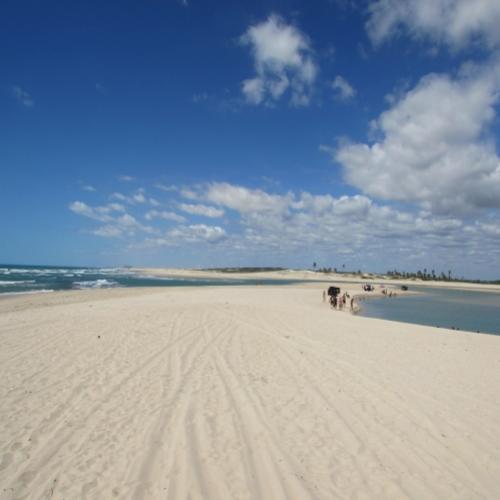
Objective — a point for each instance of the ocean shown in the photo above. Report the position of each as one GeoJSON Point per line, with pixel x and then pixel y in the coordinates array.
{"type": "Point", "coordinates": [18, 279]}
{"type": "Point", "coordinates": [446, 308]}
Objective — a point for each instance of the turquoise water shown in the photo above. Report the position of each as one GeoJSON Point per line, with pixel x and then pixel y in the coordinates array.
{"type": "Point", "coordinates": [460, 309]}
{"type": "Point", "coordinates": [43, 279]}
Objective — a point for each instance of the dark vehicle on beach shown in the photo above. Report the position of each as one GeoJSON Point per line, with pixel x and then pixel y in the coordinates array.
{"type": "Point", "coordinates": [333, 291]}
{"type": "Point", "coordinates": [404, 288]}
{"type": "Point", "coordinates": [368, 288]}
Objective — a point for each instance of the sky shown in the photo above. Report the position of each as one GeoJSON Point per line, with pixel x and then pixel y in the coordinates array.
{"type": "Point", "coordinates": [186, 133]}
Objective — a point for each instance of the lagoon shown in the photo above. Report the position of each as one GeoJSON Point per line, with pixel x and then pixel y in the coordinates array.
{"type": "Point", "coordinates": [445, 308]}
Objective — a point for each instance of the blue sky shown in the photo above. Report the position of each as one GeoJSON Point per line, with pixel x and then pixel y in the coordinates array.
{"type": "Point", "coordinates": [189, 133]}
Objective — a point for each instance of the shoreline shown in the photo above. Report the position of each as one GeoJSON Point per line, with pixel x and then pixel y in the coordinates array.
{"type": "Point", "coordinates": [312, 276]}
{"type": "Point", "coordinates": [280, 279]}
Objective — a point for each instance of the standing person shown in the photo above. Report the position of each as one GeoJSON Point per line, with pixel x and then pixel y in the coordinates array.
{"type": "Point", "coordinates": [352, 304]}
{"type": "Point", "coordinates": [324, 296]}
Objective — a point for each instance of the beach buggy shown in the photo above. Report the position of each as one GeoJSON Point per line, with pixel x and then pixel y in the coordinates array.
{"type": "Point", "coordinates": [333, 291]}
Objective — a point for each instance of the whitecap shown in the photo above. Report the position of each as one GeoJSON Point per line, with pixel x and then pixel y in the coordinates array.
{"type": "Point", "coordinates": [29, 292]}
{"type": "Point", "coordinates": [100, 283]}
{"type": "Point", "coordinates": [19, 282]}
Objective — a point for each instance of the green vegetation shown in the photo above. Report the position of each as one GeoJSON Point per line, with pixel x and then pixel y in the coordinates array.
{"type": "Point", "coordinates": [433, 276]}
{"type": "Point", "coordinates": [245, 269]}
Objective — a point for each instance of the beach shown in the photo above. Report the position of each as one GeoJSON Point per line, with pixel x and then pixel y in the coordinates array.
{"type": "Point", "coordinates": [248, 392]}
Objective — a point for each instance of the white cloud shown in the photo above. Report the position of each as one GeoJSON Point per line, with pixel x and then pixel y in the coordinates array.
{"type": "Point", "coordinates": [156, 214]}
{"type": "Point", "coordinates": [89, 188]}
{"type": "Point", "coordinates": [254, 90]}
{"type": "Point", "coordinates": [198, 232]}
{"type": "Point", "coordinates": [456, 23]}
{"type": "Point", "coordinates": [293, 227]}
{"type": "Point", "coordinates": [126, 178]}
{"type": "Point", "coordinates": [99, 213]}
{"type": "Point", "coordinates": [188, 193]}
{"type": "Point", "coordinates": [343, 89]}
{"type": "Point", "coordinates": [108, 231]}
{"type": "Point", "coordinates": [434, 145]}
{"type": "Point", "coordinates": [139, 197]}
{"type": "Point", "coordinates": [192, 234]}
{"type": "Point", "coordinates": [245, 200]}
{"type": "Point", "coordinates": [292, 224]}
{"type": "Point", "coordinates": [110, 207]}
{"type": "Point", "coordinates": [128, 220]}
{"type": "Point", "coordinates": [165, 187]}
{"type": "Point", "coordinates": [283, 60]}
{"type": "Point", "coordinates": [119, 196]}
{"type": "Point", "coordinates": [22, 96]}
{"type": "Point", "coordinates": [81, 208]}
{"type": "Point", "coordinates": [491, 229]}
{"type": "Point", "coordinates": [200, 209]}
{"type": "Point", "coordinates": [117, 220]}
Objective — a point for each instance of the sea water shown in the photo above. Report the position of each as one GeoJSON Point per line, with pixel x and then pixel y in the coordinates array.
{"type": "Point", "coordinates": [446, 308]}
{"type": "Point", "coordinates": [16, 279]}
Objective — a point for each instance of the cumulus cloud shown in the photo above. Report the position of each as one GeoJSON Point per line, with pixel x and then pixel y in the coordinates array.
{"type": "Point", "coordinates": [188, 193]}
{"type": "Point", "coordinates": [289, 226]}
{"type": "Point", "coordinates": [118, 222]}
{"type": "Point", "coordinates": [292, 224]}
{"type": "Point", "coordinates": [191, 234]}
{"type": "Point", "coordinates": [283, 60]}
{"type": "Point", "coordinates": [456, 23]}
{"type": "Point", "coordinates": [164, 214]}
{"type": "Point", "coordinates": [22, 96]}
{"type": "Point", "coordinates": [198, 232]}
{"type": "Point", "coordinates": [166, 187]}
{"type": "Point", "coordinates": [200, 209]}
{"type": "Point", "coordinates": [108, 231]}
{"type": "Point", "coordinates": [119, 196]}
{"type": "Point", "coordinates": [139, 197]}
{"type": "Point", "coordinates": [97, 213]}
{"type": "Point", "coordinates": [245, 200]}
{"type": "Point", "coordinates": [433, 145]}
{"type": "Point", "coordinates": [343, 89]}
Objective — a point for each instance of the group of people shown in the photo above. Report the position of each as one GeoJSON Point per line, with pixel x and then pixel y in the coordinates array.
{"type": "Point", "coordinates": [339, 301]}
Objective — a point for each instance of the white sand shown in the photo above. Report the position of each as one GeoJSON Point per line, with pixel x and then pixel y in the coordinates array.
{"type": "Point", "coordinates": [290, 274]}
{"type": "Point", "coordinates": [242, 392]}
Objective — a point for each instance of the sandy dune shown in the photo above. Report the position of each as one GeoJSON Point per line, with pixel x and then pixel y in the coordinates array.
{"type": "Point", "coordinates": [240, 393]}
{"type": "Point", "coordinates": [292, 274]}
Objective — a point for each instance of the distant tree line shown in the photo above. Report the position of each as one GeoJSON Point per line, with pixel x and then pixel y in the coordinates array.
{"type": "Point", "coordinates": [328, 270]}
{"type": "Point", "coordinates": [424, 275]}
{"type": "Point", "coordinates": [244, 269]}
